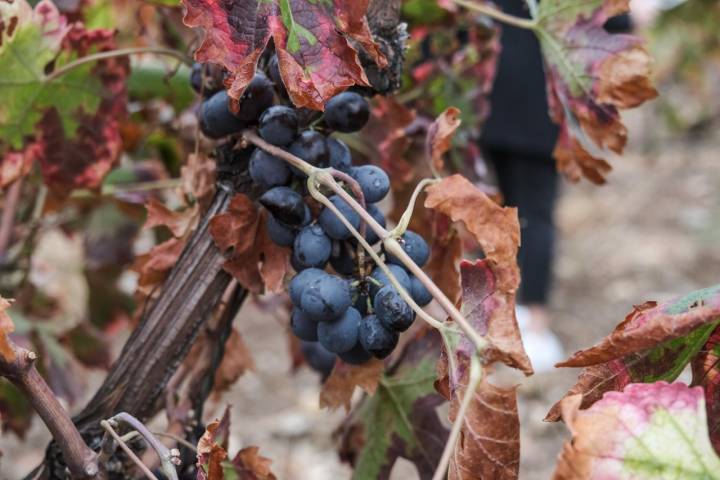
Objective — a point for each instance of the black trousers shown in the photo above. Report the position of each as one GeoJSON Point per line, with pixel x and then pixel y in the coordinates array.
{"type": "Point", "coordinates": [530, 183]}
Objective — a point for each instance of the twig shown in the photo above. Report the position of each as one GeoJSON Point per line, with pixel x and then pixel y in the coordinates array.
{"type": "Point", "coordinates": [109, 429]}
{"type": "Point", "coordinates": [21, 371]}
{"type": "Point", "coordinates": [120, 52]}
{"type": "Point", "coordinates": [499, 15]}
{"type": "Point", "coordinates": [8, 215]}
{"type": "Point", "coordinates": [473, 382]}
{"type": "Point", "coordinates": [178, 439]}
{"type": "Point", "coordinates": [168, 458]}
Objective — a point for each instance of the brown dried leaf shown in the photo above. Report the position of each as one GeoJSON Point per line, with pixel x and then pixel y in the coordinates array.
{"type": "Point", "coordinates": [490, 285]}
{"type": "Point", "coordinates": [439, 136]}
{"type": "Point", "coordinates": [340, 385]}
{"type": "Point", "coordinates": [251, 466]}
{"type": "Point", "coordinates": [6, 327]}
{"type": "Point", "coordinates": [198, 178]}
{"type": "Point", "coordinates": [489, 443]}
{"type": "Point", "coordinates": [212, 449]}
{"type": "Point", "coordinates": [154, 266]}
{"type": "Point", "coordinates": [236, 361]}
{"type": "Point", "coordinates": [177, 222]}
{"type": "Point", "coordinates": [446, 252]}
{"type": "Point", "coordinates": [236, 228]}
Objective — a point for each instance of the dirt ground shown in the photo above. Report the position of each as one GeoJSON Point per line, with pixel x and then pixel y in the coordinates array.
{"type": "Point", "coordinates": [651, 233]}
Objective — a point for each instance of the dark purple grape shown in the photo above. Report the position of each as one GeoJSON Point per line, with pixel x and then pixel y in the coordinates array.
{"type": "Point", "coordinates": [326, 298]}
{"type": "Point", "coordinates": [340, 157]}
{"type": "Point", "coordinates": [311, 147]}
{"type": "Point", "coordinates": [216, 119]}
{"type": "Point", "coordinates": [374, 182]}
{"type": "Point", "coordinates": [285, 204]}
{"type": "Point", "coordinates": [356, 356]}
{"type": "Point", "coordinates": [301, 281]}
{"type": "Point", "coordinates": [303, 326]}
{"type": "Point", "coordinates": [280, 234]}
{"type": "Point", "coordinates": [332, 225]}
{"type": "Point", "coordinates": [257, 97]}
{"type": "Point", "coordinates": [212, 80]}
{"type": "Point", "coordinates": [342, 334]}
{"type": "Point", "coordinates": [267, 170]}
{"type": "Point", "coordinates": [392, 311]}
{"type": "Point", "coordinates": [342, 258]}
{"type": "Point", "coordinates": [318, 358]}
{"type": "Point", "coordinates": [273, 69]}
{"type": "Point", "coordinates": [375, 338]}
{"type": "Point", "coordinates": [379, 276]}
{"type": "Point", "coordinates": [415, 246]}
{"type": "Point", "coordinates": [418, 292]}
{"type": "Point", "coordinates": [311, 248]}
{"type": "Point", "coordinates": [347, 112]}
{"type": "Point", "coordinates": [278, 125]}
{"type": "Point", "coordinates": [375, 213]}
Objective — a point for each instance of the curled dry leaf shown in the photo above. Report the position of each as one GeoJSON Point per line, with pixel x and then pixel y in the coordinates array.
{"type": "Point", "coordinates": [489, 286]}
{"type": "Point", "coordinates": [654, 342]}
{"type": "Point", "coordinates": [249, 465]}
{"type": "Point", "coordinates": [589, 84]}
{"type": "Point", "coordinates": [212, 449]}
{"type": "Point", "coordinates": [179, 223]}
{"type": "Point", "coordinates": [445, 255]}
{"type": "Point", "coordinates": [198, 178]}
{"type": "Point", "coordinates": [656, 431]}
{"type": "Point", "coordinates": [6, 328]}
{"type": "Point", "coordinates": [311, 41]}
{"type": "Point", "coordinates": [706, 373]}
{"type": "Point", "coordinates": [338, 389]}
{"type": "Point", "coordinates": [401, 419]}
{"type": "Point", "coordinates": [154, 266]}
{"type": "Point", "coordinates": [439, 136]}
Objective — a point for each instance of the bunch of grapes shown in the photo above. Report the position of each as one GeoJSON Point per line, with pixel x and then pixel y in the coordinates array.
{"type": "Point", "coordinates": [350, 310]}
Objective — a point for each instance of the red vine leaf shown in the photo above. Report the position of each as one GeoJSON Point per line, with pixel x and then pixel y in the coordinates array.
{"type": "Point", "coordinates": [654, 430]}
{"type": "Point", "coordinates": [439, 136]}
{"type": "Point", "coordinates": [489, 286]}
{"type": "Point", "coordinates": [338, 389]}
{"type": "Point", "coordinates": [654, 342]}
{"type": "Point", "coordinates": [249, 465]}
{"type": "Point", "coordinates": [591, 74]}
{"type": "Point", "coordinates": [177, 222]}
{"type": "Point", "coordinates": [6, 328]}
{"type": "Point", "coordinates": [706, 373]}
{"type": "Point", "coordinates": [311, 41]}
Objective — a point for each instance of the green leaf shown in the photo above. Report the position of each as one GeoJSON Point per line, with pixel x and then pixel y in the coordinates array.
{"type": "Point", "coordinates": [25, 88]}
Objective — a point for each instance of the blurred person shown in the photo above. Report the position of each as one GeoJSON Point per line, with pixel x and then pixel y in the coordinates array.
{"type": "Point", "coordinates": [518, 139]}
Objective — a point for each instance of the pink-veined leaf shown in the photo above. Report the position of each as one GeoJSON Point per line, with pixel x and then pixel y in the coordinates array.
{"type": "Point", "coordinates": [311, 39]}
{"type": "Point", "coordinates": [656, 431]}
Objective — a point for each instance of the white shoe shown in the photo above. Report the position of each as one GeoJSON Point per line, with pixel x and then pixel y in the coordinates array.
{"type": "Point", "coordinates": [541, 345]}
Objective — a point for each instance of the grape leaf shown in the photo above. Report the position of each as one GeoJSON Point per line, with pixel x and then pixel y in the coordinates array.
{"type": "Point", "coordinates": [179, 223]}
{"type": "Point", "coordinates": [706, 373]}
{"type": "Point", "coordinates": [489, 441]}
{"type": "Point", "coordinates": [439, 136]}
{"type": "Point", "coordinates": [400, 419]}
{"type": "Point", "coordinates": [311, 40]}
{"type": "Point", "coordinates": [235, 362]}
{"type": "Point", "coordinates": [70, 120]}
{"type": "Point", "coordinates": [248, 464]}
{"type": "Point", "coordinates": [212, 448]}
{"type": "Point", "coordinates": [256, 260]}
{"type": "Point", "coordinates": [654, 431]}
{"type": "Point", "coordinates": [497, 277]}
{"type": "Point", "coordinates": [591, 75]}
{"type": "Point", "coordinates": [654, 342]}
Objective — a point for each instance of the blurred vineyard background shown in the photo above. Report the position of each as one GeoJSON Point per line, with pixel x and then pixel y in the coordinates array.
{"type": "Point", "coordinates": [650, 233]}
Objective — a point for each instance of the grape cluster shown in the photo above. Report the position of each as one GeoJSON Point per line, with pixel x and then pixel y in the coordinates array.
{"type": "Point", "coordinates": [352, 310]}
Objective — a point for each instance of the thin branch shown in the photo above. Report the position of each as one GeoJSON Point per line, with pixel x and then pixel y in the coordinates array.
{"type": "Point", "coordinates": [473, 382]}
{"type": "Point", "coordinates": [499, 15]}
{"type": "Point", "coordinates": [8, 215]}
{"type": "Point", "coordinates": [121, 52]}
{"type": "Point", "coordinates": [109, 429]}
{"type": "Point", "coordinates": [21, 371]}
{"type": "Point", "coordinates": [168, 458]}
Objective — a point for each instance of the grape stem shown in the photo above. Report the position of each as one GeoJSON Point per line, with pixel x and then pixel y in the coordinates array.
{"type": "Point", "coordinates": [121, 52]}
{"type": "Point", "coordinates": [496, 14]}
{"type": "Point", "coordinates": [473, 381]}
{"type": "Point", "coordinates": [391, 245]}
